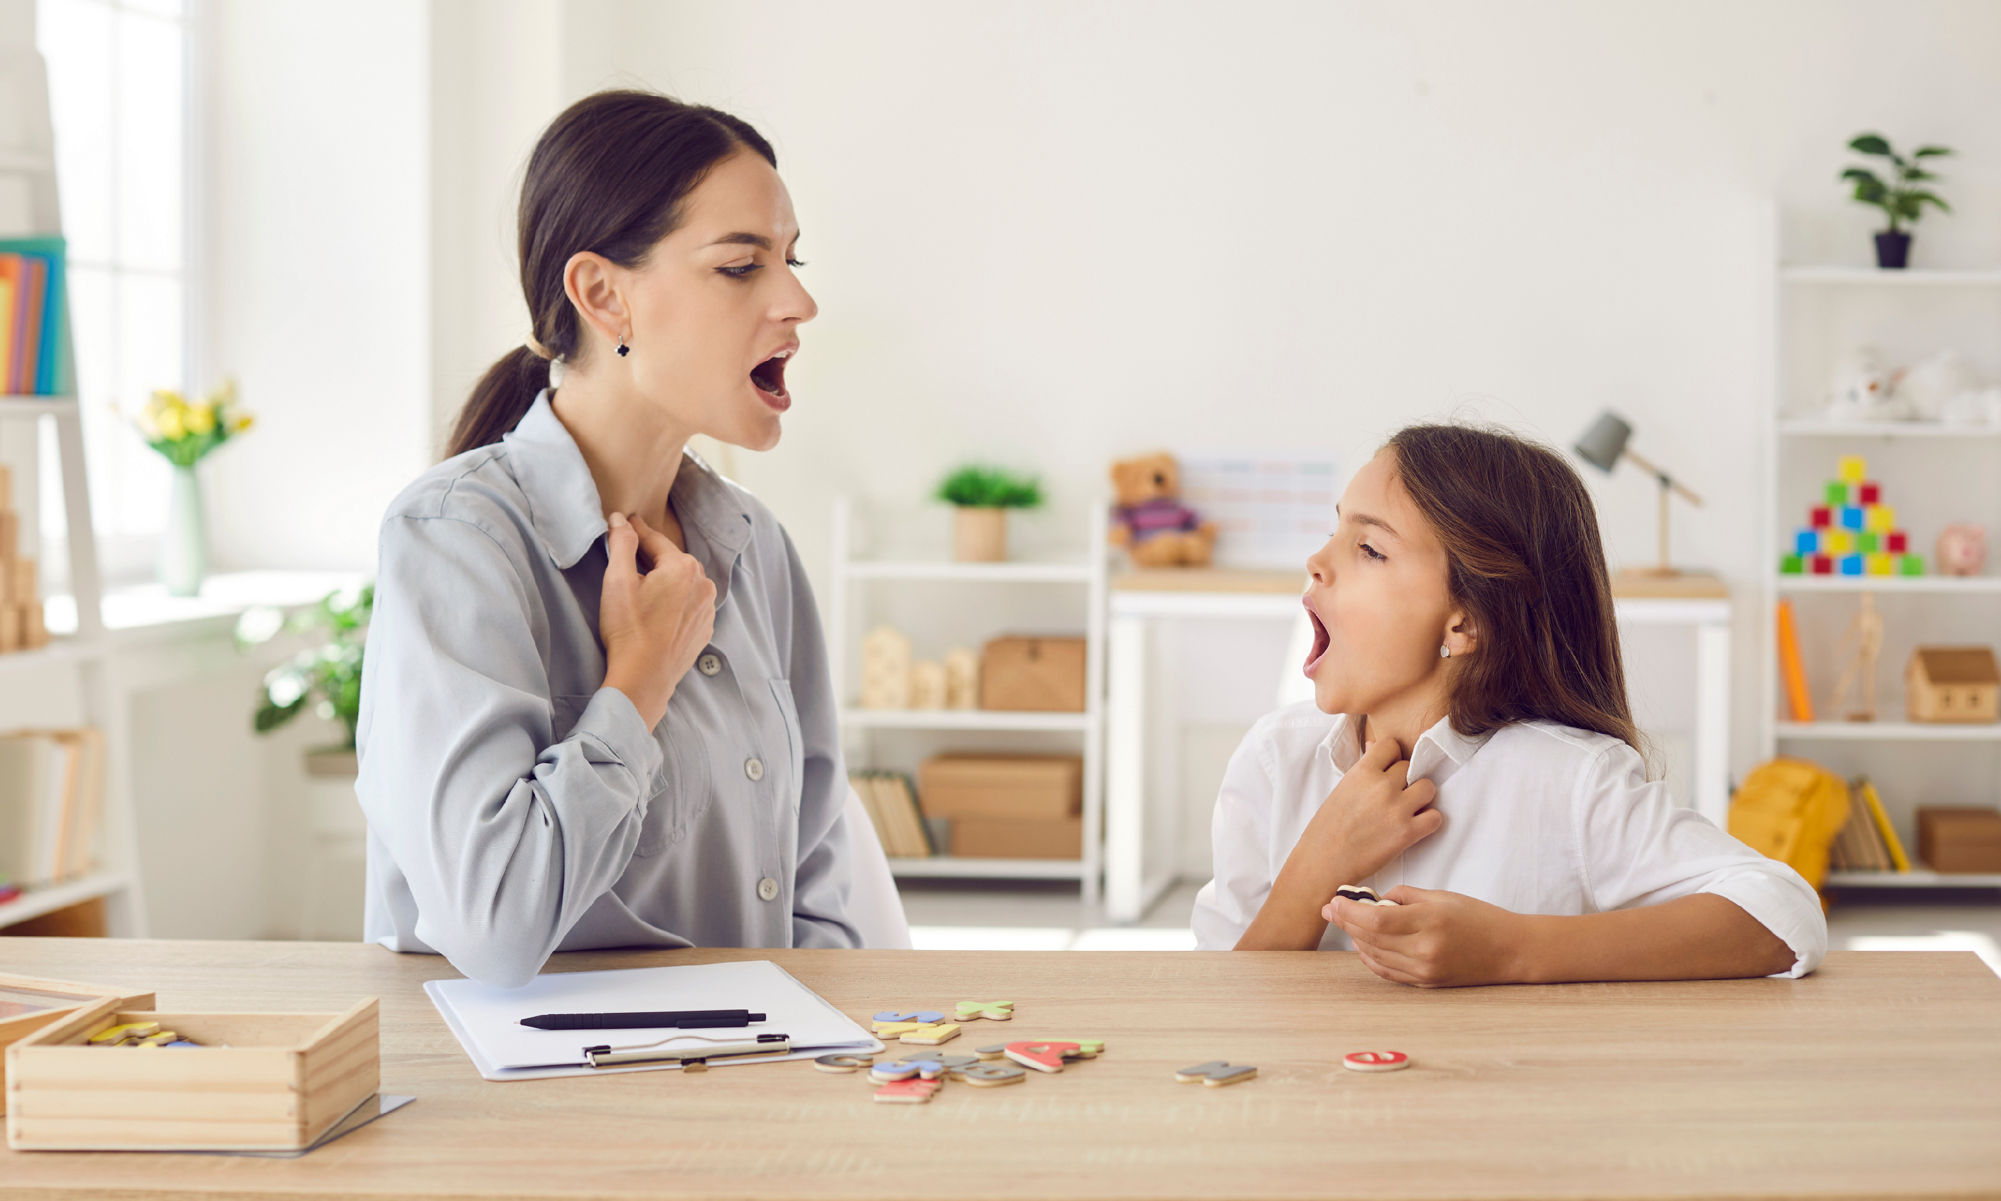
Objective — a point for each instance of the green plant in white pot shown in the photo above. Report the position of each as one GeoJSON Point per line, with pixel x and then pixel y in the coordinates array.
{"type": "Point", "coordinates": [1902, 197]}
{"type": "Point", "coordinates": [982, 496]}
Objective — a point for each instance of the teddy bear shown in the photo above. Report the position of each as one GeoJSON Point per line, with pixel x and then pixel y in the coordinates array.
{"type": "Point", "coordinates": [1149, 519]}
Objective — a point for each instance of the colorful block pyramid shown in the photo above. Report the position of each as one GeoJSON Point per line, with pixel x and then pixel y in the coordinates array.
{"type": "Point", "coordinates": [1851, 532]}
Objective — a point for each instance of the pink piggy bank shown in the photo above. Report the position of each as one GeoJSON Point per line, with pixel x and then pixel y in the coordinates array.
{"type": "Point", "coordinates": [1962, 549]}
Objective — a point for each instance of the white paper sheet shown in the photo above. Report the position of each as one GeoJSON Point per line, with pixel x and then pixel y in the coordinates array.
{"type": "Point", "coordinates": [487, 1020]}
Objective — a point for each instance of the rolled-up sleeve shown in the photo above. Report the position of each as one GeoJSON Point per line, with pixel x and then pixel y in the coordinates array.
{"type": "Point", "coordinates": [1240, 834]}
{"type": "Point", "coordinates": [506, 829]}
{"type": "Point", "coordinates": [1638, 847]}
{"type": "Point", "coordinates": [821, 888]}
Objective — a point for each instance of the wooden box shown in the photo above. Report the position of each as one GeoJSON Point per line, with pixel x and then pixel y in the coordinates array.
{"type": "Point", "coordinates": [1044, 787]}
{"type": "Point", "coordinates": [281, 1081]}
{"type": "Point", "coordinates": [1033, 675]}
{"type": "Point", "coordinates": [1953, 684]}
{"type": "Point", "coordinates": [1959, 838]}
{"type": "Point", "coordinates": [29, 1003]}
{"type": "Point", "coordinates": [1009, 838]}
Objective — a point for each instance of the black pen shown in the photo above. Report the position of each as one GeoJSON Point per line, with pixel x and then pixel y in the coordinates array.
{"type": "Point", "coordinates": [685, 1019]}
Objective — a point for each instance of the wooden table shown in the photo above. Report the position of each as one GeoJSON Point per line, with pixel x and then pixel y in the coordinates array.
{"type": "Point", "coordinates": [1878, 1076]}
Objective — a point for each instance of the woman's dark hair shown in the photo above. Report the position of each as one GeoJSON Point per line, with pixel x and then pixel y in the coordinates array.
{"type": "Point", "coordinates": [609, 176]}
{"type": "Point", "coordinates": [1521, 543]}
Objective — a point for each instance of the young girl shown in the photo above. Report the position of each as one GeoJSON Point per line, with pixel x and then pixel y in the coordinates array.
{"type": "Point", "coordinates": [1470, 755]}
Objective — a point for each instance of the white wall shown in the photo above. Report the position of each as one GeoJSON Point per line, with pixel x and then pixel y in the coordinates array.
{"type": "Point", "coordinates": [1056, 233]}
{"type": "Point", "coordinates": [317, 272]}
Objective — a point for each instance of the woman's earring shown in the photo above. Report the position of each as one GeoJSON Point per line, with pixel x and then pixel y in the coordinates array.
{"type": "Point", "coordinates": [1444, 652]}
{"type": "Point", "coordinates": [623, 349]}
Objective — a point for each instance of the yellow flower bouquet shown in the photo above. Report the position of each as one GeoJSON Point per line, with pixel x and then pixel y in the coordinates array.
{"type": "Point", "coordinates": [184, 431]}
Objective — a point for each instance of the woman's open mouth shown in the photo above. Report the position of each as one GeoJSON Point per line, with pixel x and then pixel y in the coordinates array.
{"type": "Point", "coordinates": [1321, 639]}
{"type": "Point", "coordinates": [768, 378]}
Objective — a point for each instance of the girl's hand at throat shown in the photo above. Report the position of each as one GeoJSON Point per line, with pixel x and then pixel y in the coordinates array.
{"type": "Point", "coordinates": [1433, 939]}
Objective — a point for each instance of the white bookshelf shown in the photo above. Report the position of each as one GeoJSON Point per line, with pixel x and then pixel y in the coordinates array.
{"type": "Point", "coordinates": [861, 577]}
{"type": "Point", "coordinates": [81, 656]}
{"type": "Point", "coordinates": [1816, 309]}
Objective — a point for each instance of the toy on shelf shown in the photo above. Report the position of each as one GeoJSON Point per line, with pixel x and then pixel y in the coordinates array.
{"type": "Point", "coordinates": [1953, 684]}
{"type": "Point", "coordinates": [1866, 634]}
{"type": "Point", "coordinates": [1962, 549]}
{"type": "Point", "coordinates": [886, 664]}
{"type": "Point", "coordinates": [893, 678]}
{"type": "Point", "coordinates": [1862, 389]}
{"type": "Point", "coordinates": [1149, 519]}
{"type": "Point", "coordinates": [1852, 532]}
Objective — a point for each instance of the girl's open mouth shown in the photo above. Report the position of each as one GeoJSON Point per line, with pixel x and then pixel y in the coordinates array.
{"type": "Point", "coordinates": [768, 378]}
{"type": "Point", "coordinates": [1321, 639]}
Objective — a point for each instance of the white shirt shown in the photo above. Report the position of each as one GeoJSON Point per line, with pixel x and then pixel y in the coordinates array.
{"type": "Point", "coordinates": [1539, 818]}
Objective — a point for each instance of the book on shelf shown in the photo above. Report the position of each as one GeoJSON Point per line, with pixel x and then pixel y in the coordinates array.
{"type": "Point", "coordinates": [51, 797]}
{"type": "Point", "coordinates": [1867, 842]}
{"type": "Point", "coordinates": [1798, 700]}
{"type": "Point", "coordinates": [891, 804]}
{"type": "Point", "coordinates": [35, 357]}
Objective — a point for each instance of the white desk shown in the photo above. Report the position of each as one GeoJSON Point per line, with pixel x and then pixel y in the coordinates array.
{"type": "Point", "coordinates": [1139, 600]}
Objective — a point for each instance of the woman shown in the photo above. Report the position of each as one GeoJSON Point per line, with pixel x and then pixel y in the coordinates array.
{"type": "Point", "coordinates": [596, 711]}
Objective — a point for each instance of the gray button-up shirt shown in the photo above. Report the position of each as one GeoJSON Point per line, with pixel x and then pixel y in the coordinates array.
{"type": "Point", "coordinates": [518, 807]}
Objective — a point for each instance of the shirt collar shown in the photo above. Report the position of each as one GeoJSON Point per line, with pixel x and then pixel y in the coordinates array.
{"type": "Point", "coordinates": [1440, 751]}
{"type": "Point", "coordinates": [567, 512]}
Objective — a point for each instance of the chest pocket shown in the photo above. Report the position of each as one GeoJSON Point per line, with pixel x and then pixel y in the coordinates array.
{"type": "Point", "coordinates": [795, 782]}
{"type": "Point", "coordinates": [677, 792]}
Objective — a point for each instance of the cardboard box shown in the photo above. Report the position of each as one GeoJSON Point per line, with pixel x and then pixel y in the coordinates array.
{"type": "Point", "coordinates": [1034, 675]}
{"type": "Point", "coordinates": [281, 1081]}
{"type": "Point", "coordinates": [1006, 838]}
{"type": "Point", "coordinates": [13, 624]}
{"type": "Point", "coordinates": [22, 1011]}
{"type": "Point", "coordinates": [10, 535]}
{"type": "Point", "coordinates": [1016, 787]}
{"type": "Point", "coordinates": [1959, 838]}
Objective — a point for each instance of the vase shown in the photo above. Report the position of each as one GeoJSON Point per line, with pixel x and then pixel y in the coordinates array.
{"type": "Point", "coordinates": [1893, 250]}
{"type": "Point", "coordinates": [184, 551]}
{"type": "Point", "coordinates": [979, 535]}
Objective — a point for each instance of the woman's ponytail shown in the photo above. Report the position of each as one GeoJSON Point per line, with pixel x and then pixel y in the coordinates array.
{"type": "Point", "coordinates": [500, 400]}
{"type": "Point", "coordinates": [608, 176]}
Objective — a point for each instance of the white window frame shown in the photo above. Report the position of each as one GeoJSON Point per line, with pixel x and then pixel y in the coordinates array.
{"type": "Point", "coordinates": [131, 558]}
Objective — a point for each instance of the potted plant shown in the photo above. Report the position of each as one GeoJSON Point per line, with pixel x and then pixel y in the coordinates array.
{"type": "Point", "coordinates": [185, 433]}
{"type": "Point", "coordinates": [982, 496]}
{"type": "Point", "coordinates": [326, 675]}
{"type": "Point", "coordinates": [1902, 199]}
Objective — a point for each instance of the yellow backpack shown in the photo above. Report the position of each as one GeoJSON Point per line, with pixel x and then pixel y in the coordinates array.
{"type": "Point", "coordinates": [1790, 810]}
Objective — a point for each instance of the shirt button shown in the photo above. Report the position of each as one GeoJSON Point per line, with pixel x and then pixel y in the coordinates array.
{"type": "Point", "coordinates": [755, 770]}
{"type": "Point", "coordinates": [767, 889]}
{"type": "Point", "coordinates": [709, 665]}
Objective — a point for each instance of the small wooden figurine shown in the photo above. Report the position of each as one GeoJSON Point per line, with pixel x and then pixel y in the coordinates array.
{"type": "Point", "coordinates": [885, 670]}
{"type": "Point", "coordinates": [1865, 633]}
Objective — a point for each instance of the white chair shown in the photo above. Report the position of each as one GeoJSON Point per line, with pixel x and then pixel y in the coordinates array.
{"type": "Point", "coordinates": [874, 905]}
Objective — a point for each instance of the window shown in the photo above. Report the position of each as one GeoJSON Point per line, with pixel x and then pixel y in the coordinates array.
{"type": "Point", "coordinates": [119, 101]}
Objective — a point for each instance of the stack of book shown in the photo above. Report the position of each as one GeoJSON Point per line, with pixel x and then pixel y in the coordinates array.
{"type": "Point", "coordinates": [33, 341]}
{"type": "Point", "coordinates": [1868, 843]}
{"type": "Point", "coordinates": [22, 626]}
{"type": "Point", "coordinates": [891, 802]}
{"type": "Point", "coordinates": [51, 795]}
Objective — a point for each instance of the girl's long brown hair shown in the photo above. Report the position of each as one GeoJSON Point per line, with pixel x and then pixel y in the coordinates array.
{"type": "Point", "coordinates": [1521, 540]}
{"type": "Point", "coordinates": [609, 175]}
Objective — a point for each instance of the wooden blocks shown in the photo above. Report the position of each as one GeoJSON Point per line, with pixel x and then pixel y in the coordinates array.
{"type": "Point", "coordinates": [1216, 1073]}
{"type": "Point", "coordinates": [1375, 1061]}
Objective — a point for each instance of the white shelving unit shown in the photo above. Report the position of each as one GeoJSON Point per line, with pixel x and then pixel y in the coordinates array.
{"type": "Point", "coordinates": [1819, 311]}
{"type": "Point", "coordinates": [850, 608]}
{"type": "Point", "coordinates": [83, 655]}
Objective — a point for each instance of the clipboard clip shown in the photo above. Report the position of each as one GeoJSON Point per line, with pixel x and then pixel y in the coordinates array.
{"type": "Point", "coordinates": [763, 1044]}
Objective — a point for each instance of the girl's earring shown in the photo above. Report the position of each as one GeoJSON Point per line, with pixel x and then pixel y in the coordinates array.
{"type": "Point", "coordinates": [1444, 652]}
{"type": "Point", "coordinates": [623, 349]}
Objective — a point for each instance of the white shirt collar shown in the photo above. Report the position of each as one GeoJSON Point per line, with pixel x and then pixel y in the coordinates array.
{"type": "Point", "coordinates": [1439, 752]}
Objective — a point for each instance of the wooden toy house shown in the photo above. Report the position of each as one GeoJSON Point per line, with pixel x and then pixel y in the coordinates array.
{"type": "Point", "coordinates": [1953, 684]}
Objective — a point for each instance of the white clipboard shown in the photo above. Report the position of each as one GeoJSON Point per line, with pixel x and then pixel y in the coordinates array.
{"type": "Point", "coordinates": [487, 1020]}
